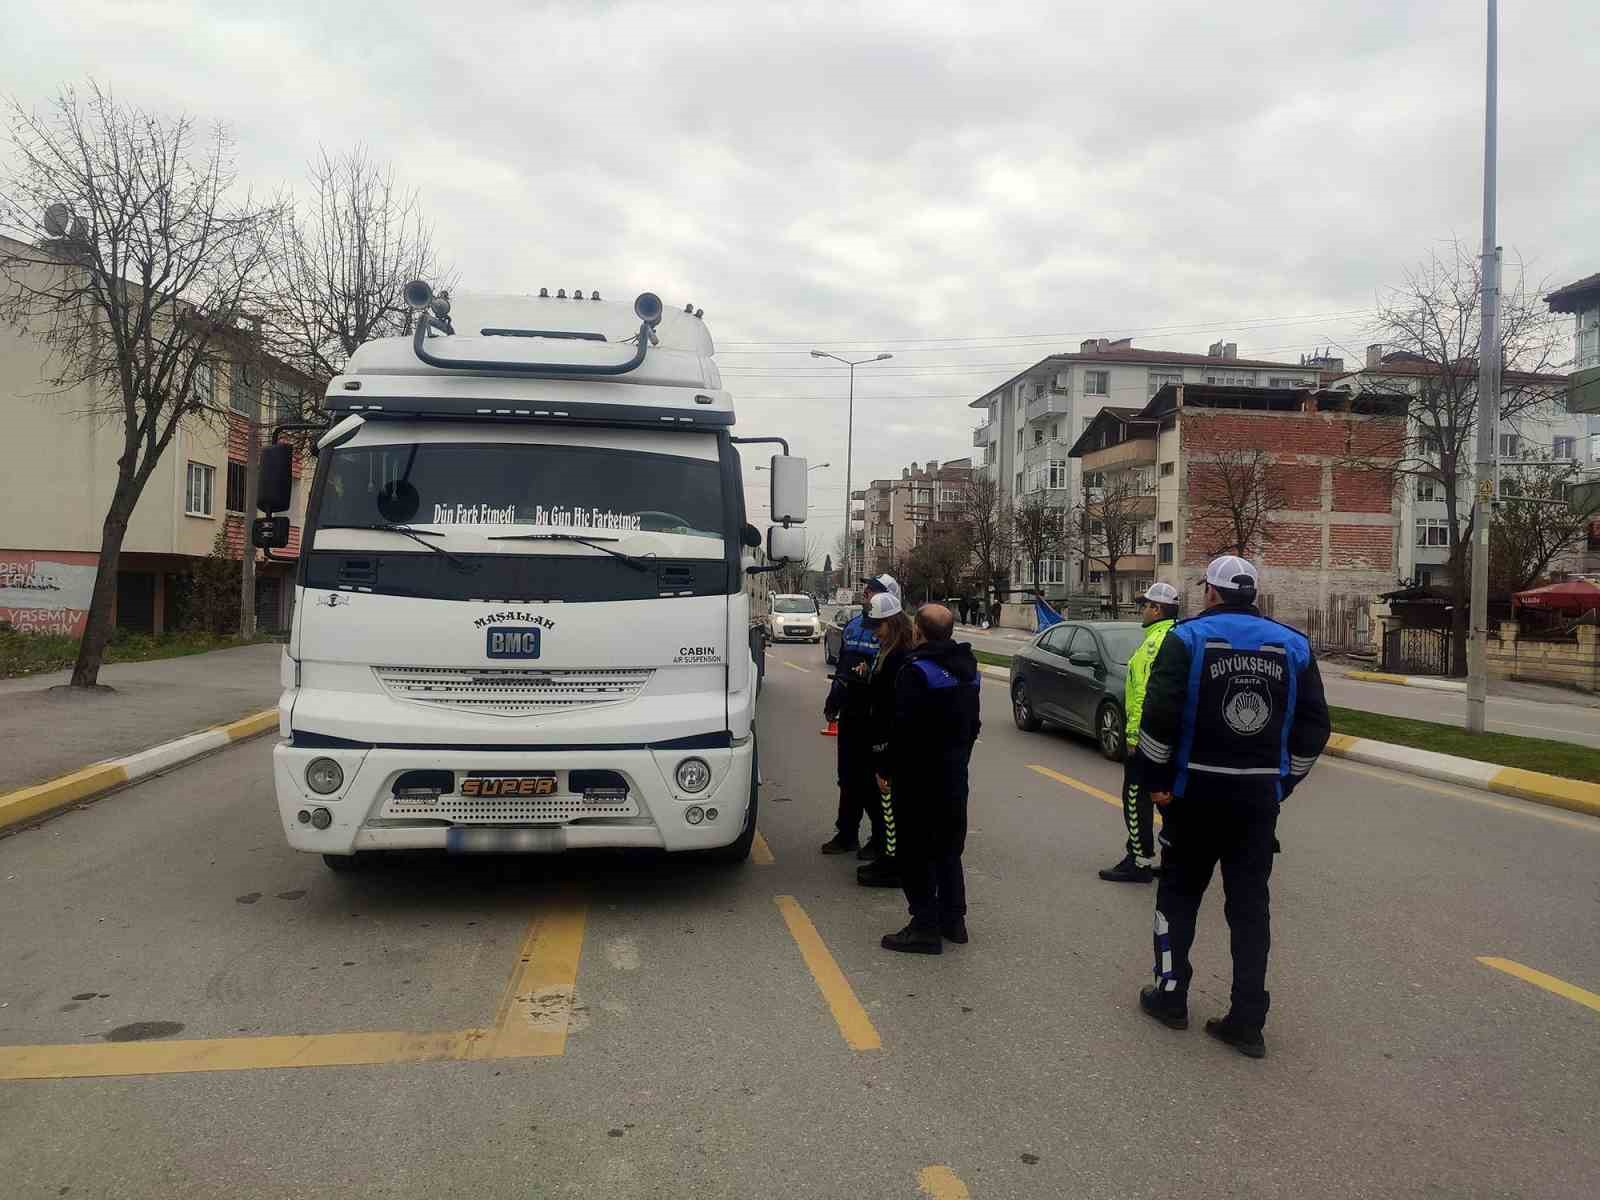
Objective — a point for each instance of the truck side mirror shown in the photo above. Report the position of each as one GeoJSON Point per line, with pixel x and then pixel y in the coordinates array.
{"type": "Point", "coordinates": [786, 545]}
{"type": "Point", "coordinates": [275, 483]}
{"type": "Point", "coordinates": [269, 533]}
{"type": "Point", "coordinates": [788, 489]}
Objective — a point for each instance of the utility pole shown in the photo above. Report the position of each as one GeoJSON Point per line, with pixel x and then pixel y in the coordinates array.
{"type": "Point", "coordinates": [1488, 404]}
{"type": "Point", "coordinates": [250, 375]}
{"type": "Point", "coordinates": [849, 448]}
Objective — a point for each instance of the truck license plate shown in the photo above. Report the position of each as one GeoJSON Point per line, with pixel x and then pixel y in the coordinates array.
{"type": "Point", "coordinates": [527, 783]}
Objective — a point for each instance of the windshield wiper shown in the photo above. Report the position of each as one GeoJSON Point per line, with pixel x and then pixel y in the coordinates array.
{"type": "Point", "coordinates": [633, 560]}
{"type": "Point", "coordinates": [420, 536]}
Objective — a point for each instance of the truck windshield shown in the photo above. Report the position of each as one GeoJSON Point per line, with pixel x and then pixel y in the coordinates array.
{"type": "Point", "coordinates": [588, 491]}
{"type": "Point", "coordinates": [793, 604]}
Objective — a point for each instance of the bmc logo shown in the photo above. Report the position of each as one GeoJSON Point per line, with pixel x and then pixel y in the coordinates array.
{"type": "Point", "coordinates": [513, 643]}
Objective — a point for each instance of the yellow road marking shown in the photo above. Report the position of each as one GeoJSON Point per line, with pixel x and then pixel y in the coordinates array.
{"type": "Point", "coordinates": [1086, 788]}
{"type": "Point", "coordinates": [537, 1006]}
{"type": "Point", "coordinates": [760, 852]}
{"type": "Point", "coordinates": [852, 1019]}
{"type": "Point", "coordinates": [1400, 778]}
{"type": "Point", "coordinates": [1549, 983]}
{"type": "Point", "coordinates": [941, 1183]}
{"type": "Point", "coordinates": [792, 667]}
{"type": "Point", "coordinates": [233, 1054]}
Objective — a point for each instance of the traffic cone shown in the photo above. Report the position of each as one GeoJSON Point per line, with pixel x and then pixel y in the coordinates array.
{"type": "Point", "coordinates": [832, 730]}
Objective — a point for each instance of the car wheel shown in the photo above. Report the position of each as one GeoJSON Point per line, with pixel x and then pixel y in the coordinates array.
{"type": "Point", "coordinates": [1022, 710]}
{"type": "Point", "coordinates": [1111, 731]}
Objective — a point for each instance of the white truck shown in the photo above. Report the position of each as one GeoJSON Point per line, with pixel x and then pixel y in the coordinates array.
{"type": "Point", "coordinates": [521, 621]}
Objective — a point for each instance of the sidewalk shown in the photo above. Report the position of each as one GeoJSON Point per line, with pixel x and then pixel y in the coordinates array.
{"type": "Point", "coordinates": [1509, 689]}
{"type": "Point", "coordinates": [48, 730]}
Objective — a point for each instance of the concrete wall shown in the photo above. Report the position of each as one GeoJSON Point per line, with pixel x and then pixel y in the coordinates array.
{"type": "Point", "coordinates": [1568, 664]}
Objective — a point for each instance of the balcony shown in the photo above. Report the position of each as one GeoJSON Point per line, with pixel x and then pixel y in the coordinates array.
{"type": "Point", "coordinates": [1135, 452]}
{"type": "Point", "coordinates": [1050, 404]}
{"type": "Point", "coordinates": [982, 434]}
{"type": "Point", "coordinates": [1583, 391]}
{"type": "Point", "coordinates": [1042, 452]}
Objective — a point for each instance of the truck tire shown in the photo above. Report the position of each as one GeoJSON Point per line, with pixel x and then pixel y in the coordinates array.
{"type": "Point", "coordinates": [738, 850]}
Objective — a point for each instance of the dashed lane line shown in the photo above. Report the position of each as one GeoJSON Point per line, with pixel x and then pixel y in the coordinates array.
{"type": "Point", "coordinates": [857, 1028]}
{"type": "Point", "coordinates": [1549, 983]}
{"type": "Point", "coordinates": [941, 1184]}
{"type": "Point", "coordinates": [1087, 788]}
{"type": "Point", "coordinates": [793, 667]}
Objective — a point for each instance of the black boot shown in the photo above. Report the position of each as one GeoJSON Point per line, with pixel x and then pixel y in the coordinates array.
{"type": "Point", "coordinates": [954, 931]}
{"type": "Point", "coordinates": [839, 844]}
{"type": "Point", "coordinates": [1128, 871]}
{"type": "Point", "coordinates": [881, 872]}
{"type": "Point", "coordinates": [873, 849]}
{"type": "Point", "coordinates": [914, 939]}
{"type": "Point", "coordinates": [1243, 1038]}
{"type": "Point", "coordinates": [1174, 1015]}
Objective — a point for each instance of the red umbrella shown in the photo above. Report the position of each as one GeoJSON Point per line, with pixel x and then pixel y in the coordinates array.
{"type": "Point", "coordinates": [1575, 596]}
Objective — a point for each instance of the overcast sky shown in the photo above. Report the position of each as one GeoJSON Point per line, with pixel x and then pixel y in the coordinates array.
{"type": "Point", "coordinates": [968, 186]}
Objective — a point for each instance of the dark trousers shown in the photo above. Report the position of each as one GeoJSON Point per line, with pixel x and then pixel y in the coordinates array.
{"type": "Point", "coordinates": [932, 835]}
{"type": "Point", "coordinates": [1138, 812]}
{"type": "Point", "coordinates": [1218, 821]}
{"type": "Point", "coordinates": [858, 788]}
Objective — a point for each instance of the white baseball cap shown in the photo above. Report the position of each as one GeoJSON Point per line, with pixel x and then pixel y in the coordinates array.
{"type": "Point", "coordinates": [883, 604]}
{"type": "Point", "coordinates": [1161, 593]}
{"type": "Point", "coordinates": [889, 584]}
{"type": "Point", "coordinates": [1230, 573]}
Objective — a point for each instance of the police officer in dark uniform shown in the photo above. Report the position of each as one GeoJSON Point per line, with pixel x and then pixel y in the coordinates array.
{"type": "Point", "coordinates": [1234, 718]}
{"type": "Point", "coordinates": [934, 727]}
{"type": "Point", "coordinates": [847, 703]}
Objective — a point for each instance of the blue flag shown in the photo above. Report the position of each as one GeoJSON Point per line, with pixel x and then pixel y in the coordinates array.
{"type": "Point", "coordinates": [1043, 615]}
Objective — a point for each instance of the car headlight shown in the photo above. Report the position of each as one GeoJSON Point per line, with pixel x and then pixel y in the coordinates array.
{"type": "Point", "coordinates": [693, 775]}
{"type": "Point", "coordinates": [324, 776]}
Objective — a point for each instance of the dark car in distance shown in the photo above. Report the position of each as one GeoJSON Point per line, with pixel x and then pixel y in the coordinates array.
{"type": "Point", "coordinates": [1072, 675]}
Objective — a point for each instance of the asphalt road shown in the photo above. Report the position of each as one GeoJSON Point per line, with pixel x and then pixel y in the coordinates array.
{"type": "Point", "coordinates": [1577, 721]}
{"type": "Point", "coordinates": [628, 1027]}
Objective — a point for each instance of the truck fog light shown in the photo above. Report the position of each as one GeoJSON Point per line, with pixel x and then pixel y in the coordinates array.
{"type": "Point", "coordinates": [694, 775]}
{"type": "Point", "coordinates": [303, 817]}
{"type": "Point", "coordinates": [321, 818]}
{"type": "Point", "coordinates": [694, 814]}
{"type": "Point", "coordinates": [324, 776]}
{"type": "Point", "coordinates": [711, 814]}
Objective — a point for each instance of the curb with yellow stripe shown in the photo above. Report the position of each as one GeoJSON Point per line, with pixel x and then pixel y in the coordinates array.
{"type": "Point", "coordinates": [1553, 790]}
{"type": "Point", "coordinates": [28, 803]}
{"type": "Point", "coordinates": [1432, 683]}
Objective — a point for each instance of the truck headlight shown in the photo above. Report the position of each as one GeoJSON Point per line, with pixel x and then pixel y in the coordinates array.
{"type": "Point", "coordinates": [324, 776]}
{"type": "Point", "coordinates": [693, 775]}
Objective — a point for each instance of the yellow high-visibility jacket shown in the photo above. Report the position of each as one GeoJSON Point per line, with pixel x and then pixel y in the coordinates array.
{"type": "Point", "coordinates": [1139, 675]}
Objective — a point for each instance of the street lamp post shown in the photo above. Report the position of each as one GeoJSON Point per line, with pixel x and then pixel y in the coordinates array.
{"type": "Point", "coordinates": [849, 452]}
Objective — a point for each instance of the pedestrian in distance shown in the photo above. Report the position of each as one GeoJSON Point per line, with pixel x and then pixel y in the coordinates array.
{"type": "Point", "coordinates": [896, 638]}
{"type": "Point", "coordinates": [847, 704]}
{"type": "Point", "coordinates": [1234, 719]}
{"type": "Point", "coordinates": [1159, 612]}
{"type": "Point", "coordinates": [934, 727]}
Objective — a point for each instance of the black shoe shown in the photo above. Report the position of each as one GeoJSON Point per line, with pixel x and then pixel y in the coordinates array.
{"type": "Point", "coordinates": [869, 852]}
{"type": "Point", "coordinates": [1173, 1016]}
{"type": "Point", "coordinates": [838, 844]}
{"type": "Point", "coordinates": [1128, 871]}
{"type": "Point", "coordinates": [882, 872]}
{"type": "Point", "coordinates": [914, 939]}
{"type": "Point", "coordinates": [954, 931]}
{"type": "Point", "coordinates": [1246, 1040]}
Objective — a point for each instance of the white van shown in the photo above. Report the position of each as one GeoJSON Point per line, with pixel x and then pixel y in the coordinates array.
{"type": "Point", "coordinates": [793, 618]}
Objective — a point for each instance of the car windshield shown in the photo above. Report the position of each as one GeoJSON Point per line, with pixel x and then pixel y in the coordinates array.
{"type": "Point", "coordinates": [1121, 643]}
{"type": "Point", "coordinates": [793, 604]}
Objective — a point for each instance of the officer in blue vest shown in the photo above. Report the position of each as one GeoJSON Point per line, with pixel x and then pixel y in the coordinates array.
{"type": "Point", "coordinates": [1234, 719]}
{"type": "Point", "coordinates": [847, 703]}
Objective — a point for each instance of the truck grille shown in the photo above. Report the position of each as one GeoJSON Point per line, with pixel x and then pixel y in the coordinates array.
{"type": "Point", "coordinates": [507, 810]}
{"type": "Point", "coordinates": [511, 691]}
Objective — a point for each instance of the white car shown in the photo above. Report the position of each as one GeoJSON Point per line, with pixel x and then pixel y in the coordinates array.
{"type": "Point", "coordinates": [793, 619]}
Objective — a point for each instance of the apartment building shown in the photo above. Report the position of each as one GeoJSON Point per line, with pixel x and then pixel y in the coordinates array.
{"type": "Point", "coordinates": [896, 514]}
{"type": "Point", "coordinates": [60, 472]}
{"type": "Point", "coordinates": [1582, 301]}
{"type": "Point", "coordinates": [1030, 422]}
{"type": "Point", "coordinates": [1544, 432]}
{"type": "Point", "coordinates": [1331, 529]}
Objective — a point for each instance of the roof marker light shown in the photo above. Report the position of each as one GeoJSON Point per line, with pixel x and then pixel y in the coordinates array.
{"type": "Point", "coordinates": [561, 293]}
{"type": "Point", "coordinates": [544, 293]}
{"type": "Point", "coordinates": [594, 295]}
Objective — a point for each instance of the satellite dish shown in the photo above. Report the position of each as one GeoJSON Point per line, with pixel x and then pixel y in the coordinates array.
{"type": "Point", "coordinates": [57, 220]}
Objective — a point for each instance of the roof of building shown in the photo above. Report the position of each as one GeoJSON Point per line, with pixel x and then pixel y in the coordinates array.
{"type": "Point", "coordinates": [1127, 355]}
{"type": "Point", "coordinates": [1107, 419]}
{"type": "Point", "coordinates": [1284, 400]}
{"type": "Point", "coordinates": [1405, 363]}
{"type": "Point", "coordinates": [1572, 297]}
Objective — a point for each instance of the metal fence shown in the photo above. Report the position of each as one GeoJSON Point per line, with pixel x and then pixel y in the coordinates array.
{"type": "Point", "coordinates": [1344, 625]}
{"type": "Point", "coordinates": [1417, 651]}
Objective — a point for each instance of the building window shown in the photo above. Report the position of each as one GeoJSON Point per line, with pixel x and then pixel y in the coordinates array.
{"type": "Point", "coordinates": [236, 487]}
{"type": "Point", "coordinates": [1286, 381]}
{"type": "Point", "coordinates": [1019, 439]}
{"type": "Point", "coordinates": [1097, 383]}
{"type": "Point", "coordinates": [1428, 489]}
{"type": "Point", "coordinates": [1433, 531]}
{"type": "Point", "coordinates": [205, 384]}
{"type": "Point", "coordinates": [1165, 552]}
{"type": "Point", "coordinates": [1057, 478]}
{"type": "Point", "coordinates": [1563, 447]}
{"type": "Point", "coordinates": [1053, 570]}
{"type": "Point", "coordinates": [1588, 340]}
{"type": "Point", "coordinates": [1097, 576]}
{"type": "Point", "coordinates": [1429, 444]}
{"type": "Point", "coordinates": [1055, 431]}
{"type": "Point", "coordinates": [1509, 445]}
{"type": "Point", "coordinates": [1166, 527]}
{"type": "Point", "coordinates": [1160, 379]}
{"type": "Point", "coordinates": [1018, 485]}
{"type": "Point", "coordinates": [1168, 468]}
{"type": "Point", "coordinates": [1038, 437]}
{"type": "Point", "coordinates": [197, 498]}
{"type": "Point", "coordinates": [241, 389]}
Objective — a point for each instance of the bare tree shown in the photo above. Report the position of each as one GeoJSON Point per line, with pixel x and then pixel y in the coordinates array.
{"type": "Point", "coordinates": [984, 512]}
{"type": "Point", "coordinates": [126, 258]}
{"type": "Point", "coordinates": [340, 265]}
{"type": "Point", "coordinates": [792, 576]}
{"type": "Point", "coordinates": [1233, 496]}
{"type": "Point", "coordinates": [1040, 531]}
{"type": "Point", "coordinates": [1109, 522]}
{"type": "Point", "coordinates": [1533, 526]}
{"type": "Point", "coordinates": [1430, 326]}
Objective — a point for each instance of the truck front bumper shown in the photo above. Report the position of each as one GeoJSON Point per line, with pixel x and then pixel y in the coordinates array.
{"type": "Point", "coordinates": [364, 813]}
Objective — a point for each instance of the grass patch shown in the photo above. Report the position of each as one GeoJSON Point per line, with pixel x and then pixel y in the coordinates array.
{"type": "Point", "coordinates": [988, 658]}
{"type": "Point", "coordinates": [32, 653]}
{"type": "Point", "coordinates": [1502, 749]}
